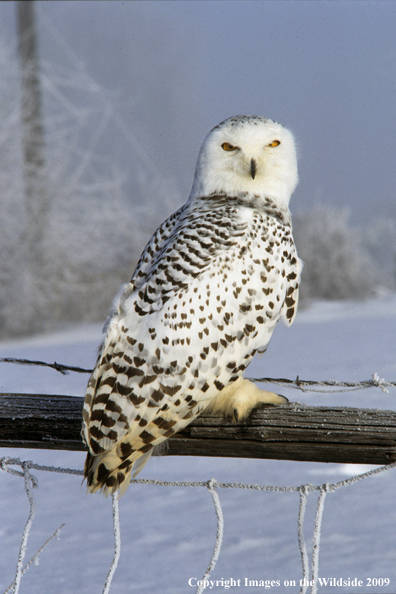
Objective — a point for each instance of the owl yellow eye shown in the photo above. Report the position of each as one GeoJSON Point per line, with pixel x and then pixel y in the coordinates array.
{"type": "Point", "coordinates": [228, 147]}
{"type": "Point", "coordinates": [274, 143]}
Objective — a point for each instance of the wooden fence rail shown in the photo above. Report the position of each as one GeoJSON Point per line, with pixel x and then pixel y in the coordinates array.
{"type": "Point", "coordinates": [289, 432]}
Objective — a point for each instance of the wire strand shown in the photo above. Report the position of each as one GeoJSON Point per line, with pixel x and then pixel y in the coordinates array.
{"type": "Point", "coordinates": [325, 386]}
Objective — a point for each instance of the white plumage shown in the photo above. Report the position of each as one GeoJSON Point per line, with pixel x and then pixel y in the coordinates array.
{"type": "Point", "coordinates": [207, 292]}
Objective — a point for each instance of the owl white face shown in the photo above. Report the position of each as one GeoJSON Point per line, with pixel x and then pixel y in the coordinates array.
{"type": "Point", "coordinates": [247, 154]}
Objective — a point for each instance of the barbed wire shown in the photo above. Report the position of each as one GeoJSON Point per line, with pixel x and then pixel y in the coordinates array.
{"type": "Point", "coordinates": [334, 385]}
{"type": "Point", "coordinates": [325, 386]}
{"type": "Point", "coordinates": [63, 369]}
{"type": "Point", "coordinates": [31, 482]}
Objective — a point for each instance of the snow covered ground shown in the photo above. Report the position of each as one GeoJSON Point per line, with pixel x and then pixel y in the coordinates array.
{"type": "Point", "coordinates": [168, 533]}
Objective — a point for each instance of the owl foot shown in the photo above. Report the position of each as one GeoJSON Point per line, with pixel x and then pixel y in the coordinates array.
{"type": "Point", "coordinates": [237, 400]}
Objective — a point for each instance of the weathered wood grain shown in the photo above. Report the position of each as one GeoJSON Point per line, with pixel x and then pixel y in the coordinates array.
{"type": "Point", "coordinates": [289, 432]}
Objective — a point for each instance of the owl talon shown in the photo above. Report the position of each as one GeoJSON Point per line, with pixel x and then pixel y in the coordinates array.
{"type": "Point", "coordinates": [283, 400]}
{"type": "Point", "coordinates": [237, 400]}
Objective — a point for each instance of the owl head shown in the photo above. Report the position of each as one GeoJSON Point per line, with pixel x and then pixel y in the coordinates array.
{"type": "Point", "coordinates": [247, 155]}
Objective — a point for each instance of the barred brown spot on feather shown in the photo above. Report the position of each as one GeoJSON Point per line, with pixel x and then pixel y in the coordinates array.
{"type": "Point", "coordinates": [145, 448]}
{"type": "Point", "coordinates": [111, 481]}
{"type": "Point", "coordinates": [170, 390]}
{"type": "Point", "coordinates": [126, 449]}
{"type": "Point", "coordinates": [102, 472]}
{"type": "Point", "coordinates": [100, 415]}
{"type": "Point", "coordinates": [245, 307]}
{"type": "Point", "coordinates": [122, 390]}
{"type": "Point", "coordinates": [96, 447]}
{"type": "Point", "coordinates": [127, 465]}
{"type": "Point", "coordinates": [133, 372]}
{"type": "Point", "coordinates": [138, 361]}
{"type": "Point", "coordinates": [96, 433]}
{"type": "Point", "coordinates": [135, 399]}
{"type": "Point", "coordinates": [157, 395]}
{"type": "Point", "coordinates": [108, 381]}
{"type": "Point", "coordinates": [148, 379]}
{"type": "Point", "coordinates": [290, 313]}
{"type": "Point", "coordinates": [164, 423]}
{"type": "Point", "coordinates": [146, 436]}
{"type": "Point", "coordinates": [289, 301]}
{"type": "Point", "coordinates": [118, 369]}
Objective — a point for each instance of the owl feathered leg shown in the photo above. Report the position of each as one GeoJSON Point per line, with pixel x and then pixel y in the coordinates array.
{"type": "Point", "coordinates": [239, 398]}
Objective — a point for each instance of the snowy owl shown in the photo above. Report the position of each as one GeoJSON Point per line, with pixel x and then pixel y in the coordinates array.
{"type": "Point", "coordinates": [207, 292]}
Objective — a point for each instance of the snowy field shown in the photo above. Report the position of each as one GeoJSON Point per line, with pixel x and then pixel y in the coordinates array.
{"type": "Point", "coordinates": [168, 533]}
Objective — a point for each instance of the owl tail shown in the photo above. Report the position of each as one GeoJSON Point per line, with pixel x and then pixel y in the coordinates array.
{"type": "Point", "coordinates": [109, 472]}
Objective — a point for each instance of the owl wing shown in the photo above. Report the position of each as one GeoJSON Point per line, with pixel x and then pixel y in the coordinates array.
{"type": "Point", "coordinates": [154, 247]}
{"type": "Point", "coordinates": [145, 361]}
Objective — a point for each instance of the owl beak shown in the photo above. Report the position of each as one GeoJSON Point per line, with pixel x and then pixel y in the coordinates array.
{"type": "Point", "coordinates": [253, 168]}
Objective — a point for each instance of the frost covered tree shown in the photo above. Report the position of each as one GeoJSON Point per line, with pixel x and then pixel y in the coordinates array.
{"type": "Point", "coordinates": [32, 128]}
{"type": "Point", "coordinates": [93, 226]}
{"type": "Point", "coordinates": [337, 264]}
{"type": "Point", "coordinates": [380, 240]}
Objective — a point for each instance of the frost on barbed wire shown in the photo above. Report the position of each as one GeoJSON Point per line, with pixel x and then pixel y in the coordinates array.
{"type": "Point", "coordinates": [6, 464]}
